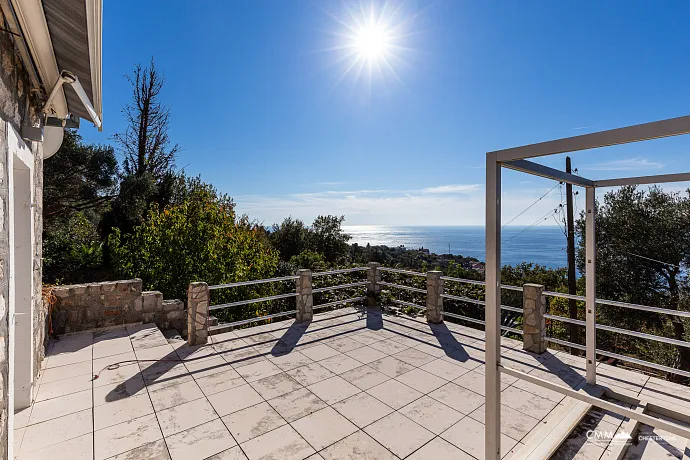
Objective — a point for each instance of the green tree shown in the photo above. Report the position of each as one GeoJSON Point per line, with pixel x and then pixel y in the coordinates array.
{"type": "Point", "coordinates": [643, 245]}
{"type": "Point", "coordinates": [289, 238]}
{"type": "Point", "coordinates": [198, 239]}
{"type": "Point", "coordinates": [72, 251]}
{"type": "Point", "coordinates": [79, 178]}
{"type": "Point", "coordinates": [327, 237]}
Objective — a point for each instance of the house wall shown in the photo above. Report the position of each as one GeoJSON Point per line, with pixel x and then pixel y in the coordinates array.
{"type": "Point", "coordinates": [82, 307]}
{"type": "Point", "coordinates": [17, 106]}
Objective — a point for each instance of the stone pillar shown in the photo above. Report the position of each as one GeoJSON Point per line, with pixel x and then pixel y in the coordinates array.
{"type": "Point", "coordinates": [305, 299]}
{"type": "Point", "coordinates": [434, 301]}
{"type": "Point", "coordinates": [373, 288]}
{"type": "Point", "coordinates": [198, 300]}
{"type": "Point", "coordinates": [534, 324]}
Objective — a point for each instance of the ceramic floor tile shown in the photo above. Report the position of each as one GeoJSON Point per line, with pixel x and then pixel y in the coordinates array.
{"type": "Point", "coordinates": [229, 401]}
{"type": "Point", "coordinates": [289, 361]}
{"type": "Point", "coordinates": [121, 411]}
{"type": "Point", "coordinates": [174, 395]}
{"type": "Point", "coordinates": [253, 421]}
{"type": "Point", "coordinates": [431, 414]}
{"type": "Point", "coordinates": [391, 366]}
{"type": "Point", "coordinates": [527, 403]}
{"type": "Point", "coordinates": [207, 366]}
{"type": "Point", "coordinates": [365, 355]}
{"type": "Point", "coordinates": [340, 363]}
{"type": "Point", "coordinates": [459, 398]}
{"type": "Point", "coordinates": [184, 416]}
{"type": "Point", "coordinates": [283, 443]}
{"type": "Point", "coordinates": [62, 359]}
{"type": "Point", "coordinates": [399, 434]}
{"type": "Point", "coordinates": [421, 380]}
{"type": "Point", "coordinates": [344, 344]}
{"type": "Point", "coordinates": [80, 448]}
{"type": "Point", "coordinates": [66, 372]}
{"type": "Point", "coordinates": [319, 352]}
{"type": "Point", "coordinates": [444, 369]}
{"type": "Point", "coordinates": [222, 381]}
{"type": "Point", "coordinates": [257, 371]}
{"type": "Point", "coordinates": [233, 453]}
{"type": "Point", "coordinates": [156, 450]}
{"type": "Point", "coordinates": [126, 436]}
{"type": "Point", "coordinates": [200, 442]}
{"type": "Point", "coordinates": [311, 428]}
{"type": "Point", "coordinates": [298, 404]}
{"type": "Point", "coordinates": [56, 431]}
{"type": "Point", "coordinates": [513, 423]}
{"type": "Point", "coordinates": [64, 387]}
{"type": "Point", "coordinates": [414, 357]}
{"type": "Point", "coordinates": [362, 409]}
{"type": "Point", "coordinates": [439, 449]}
{"type": "Point", "coordinates": [394, 394]}
{"type": "Point", "coordinates": [310, 374]}
{"type": "Point", "coordinates": [59, 407]}
{"type": "Point", "coordinates": [468, 435]}
{"type": "Point", "coordinates": [333, 390]}
{"type": "Point", "coordinates": [389, 347]}
{"type": "Point", "coordinates": [365, 377]}
{"type": "Point", "coordinates": [357, 446]}
{"type": "Point", "coordinates": [275, 385]}
{"type": "Point", "coordinates": [116, 391]}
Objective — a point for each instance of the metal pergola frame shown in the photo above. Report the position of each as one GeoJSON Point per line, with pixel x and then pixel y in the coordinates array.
{"type": "Point", "coordinates": [516, 159]}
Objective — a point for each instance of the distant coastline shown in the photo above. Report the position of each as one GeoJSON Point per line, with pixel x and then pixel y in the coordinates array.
{"type": "Point", "coordinates": [543, 245]}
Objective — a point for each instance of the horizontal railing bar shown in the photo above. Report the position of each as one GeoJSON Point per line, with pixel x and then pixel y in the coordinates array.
{"type": "Point", "coordinates": [408, 304]}
{"type": "Point", "coordinates": [246, 302]}
{"type": "Point", "coordinates": [340, 286]}
{"type": "Point", "coordinates": [463, 280]}
{"type": "Point", "coordinates": [511, 329]}
{"type": "Point", "coordinates": [336, 272]}
{"type": "Point", "coordinates": [463, 299]}
{"type": "Point", "coordinates": [515, 309]}
{"type": "Point", "coordinates": [338, 302]}
{"type": "Point", "coordinates": [252, 320]}
{"type": "Point", "coordinates": [480, 283]}
{"type": "Point", "coordinates": [478, 302]}
{"type": "Point", "coordinates": [565, 319]}
{"type": "Point", "coordinates": [642, 335]}
{"type": "Point", "coordinates": [400, 286]}
{"type": "Point", "coordinates": [642, 362]}
{"type": "Point", "coordinates": [248, 283]}
{"type": "Point", "coordinates": [634, 306]}
{"type": "Point", "coordinates": [565, 343]}
{"type": "Point", "coordinates": [464, 318]}
{"type": "Point", "coordinates": [404, 272]}
{"type": "Point", "coordinates": [563, 295]}
{"type": "Point", "coordinates": [598, 402]}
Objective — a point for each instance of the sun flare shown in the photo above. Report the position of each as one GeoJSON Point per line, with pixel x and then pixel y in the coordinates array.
{"type": "Point", "coordinates": [372, 41]}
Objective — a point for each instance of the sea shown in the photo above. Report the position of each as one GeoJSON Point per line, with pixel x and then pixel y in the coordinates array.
{"type": "Point", "coordinates": [544, 245]}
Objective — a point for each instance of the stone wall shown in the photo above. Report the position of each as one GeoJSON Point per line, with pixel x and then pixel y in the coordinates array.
{"type": "Point", "coordinates": [17, 106]}
{"type": "Point", "coordinates": [81, 307]}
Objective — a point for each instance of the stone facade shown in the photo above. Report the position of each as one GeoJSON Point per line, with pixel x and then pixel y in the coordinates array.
{"type": "Point", "coordinates": [373, 288]}
{"type": "Point", "coordinates": [534, 325]}
{"type": "Point", "coordinates": [18, 106]}
{"type": "Point", "coordinates": [305, 299]}
{"type": "Point", "coordinates": [81, 307]}
{"type": "Point", "coordinates": [198, 301]}
{"type": "Point", "coordinates": [434, 301]}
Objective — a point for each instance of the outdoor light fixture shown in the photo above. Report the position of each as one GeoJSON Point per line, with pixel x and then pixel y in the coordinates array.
{"type": "Point", "coordinates": [68, 77]}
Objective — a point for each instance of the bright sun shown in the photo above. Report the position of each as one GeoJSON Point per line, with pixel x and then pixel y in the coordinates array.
{"type": "Point", "coordinates": [372, 42]}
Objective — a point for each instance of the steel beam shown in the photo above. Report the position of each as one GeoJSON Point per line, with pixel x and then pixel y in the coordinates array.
{"type": "Point", "coordinates": [492, 382]}
{"type": "Point", "coordinates": [590, 275]}
{"type": "Point", "coordinates": [658, 179]}
{"type": "Point", "coordinates": [550, 173]}
{"type": "Point", "coordinates": [636, 133]}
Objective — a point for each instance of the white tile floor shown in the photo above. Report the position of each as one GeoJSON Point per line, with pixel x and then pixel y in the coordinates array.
{"type": "Point", "coordinates": [346, 386]}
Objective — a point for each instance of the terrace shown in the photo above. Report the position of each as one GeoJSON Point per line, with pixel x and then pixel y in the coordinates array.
{"type": "Point", "coordinates": [346, 382]}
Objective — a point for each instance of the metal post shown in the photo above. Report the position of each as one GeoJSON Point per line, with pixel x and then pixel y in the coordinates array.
{"type": "Point", "coordinates": [492, 430]}
{"type": "Point", "coordinates": [590, 274]}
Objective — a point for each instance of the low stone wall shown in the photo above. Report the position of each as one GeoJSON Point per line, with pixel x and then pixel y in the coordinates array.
{"type": "Point", "coordinates": [81, 307]}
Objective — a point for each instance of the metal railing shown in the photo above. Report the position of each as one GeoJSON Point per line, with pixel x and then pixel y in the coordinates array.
{"type": "Point", "coordinates": [460, 298]}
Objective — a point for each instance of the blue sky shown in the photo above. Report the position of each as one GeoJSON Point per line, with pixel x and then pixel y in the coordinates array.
{"type": "Point", "coordinates": [263, 109]}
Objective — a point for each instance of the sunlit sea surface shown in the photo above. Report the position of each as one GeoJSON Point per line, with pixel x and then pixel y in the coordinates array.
{"type": "Point", "coordinates": [543, 245]}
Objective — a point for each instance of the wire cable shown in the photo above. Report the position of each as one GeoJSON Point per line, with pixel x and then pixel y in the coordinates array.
{"type": "Point", "coordinates": [528, 207]}
{"type": "Point", "coordinates": [534, 224]}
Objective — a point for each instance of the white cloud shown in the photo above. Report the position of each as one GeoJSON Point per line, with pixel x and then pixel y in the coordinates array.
{"type": "Point", "coordinates": [455, 188]}
{"type": "Point", "coordinates": [445, 205]}
{"type": "Point", "coordinates": [628, 164]}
